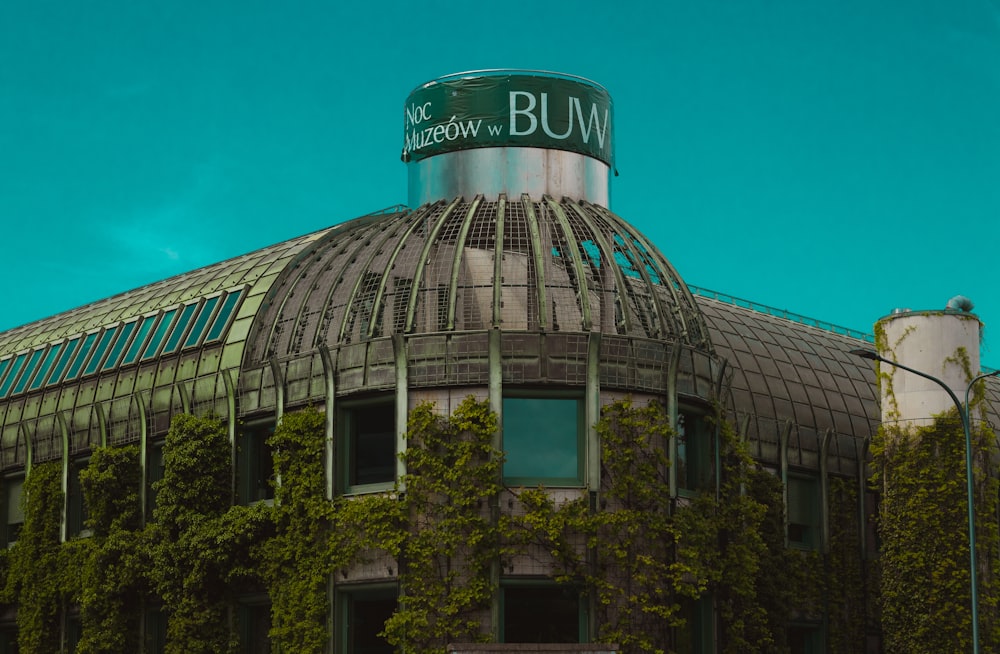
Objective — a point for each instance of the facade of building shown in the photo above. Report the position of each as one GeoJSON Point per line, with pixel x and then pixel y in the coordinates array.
{"type": "Point", "coordinates": [509, 279]}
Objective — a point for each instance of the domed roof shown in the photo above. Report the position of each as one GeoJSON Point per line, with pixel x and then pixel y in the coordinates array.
{"type": "Point", "coordinates": [514, 264]}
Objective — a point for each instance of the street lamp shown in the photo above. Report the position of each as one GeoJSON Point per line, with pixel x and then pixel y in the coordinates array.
{"type": "Point", "coordinates": [963, 413]}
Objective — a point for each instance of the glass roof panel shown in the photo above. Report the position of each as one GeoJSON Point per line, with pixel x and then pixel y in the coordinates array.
{"type": "Point", "coordinates": [161, 331]}
{"type": "Point", "coordinates": [29, 370]}
{"type": "Point", "coordinates": [43, 372]}
{"type": "Point", "coordinates": [81, 358]}
{"type": "Point", "coordinates": [14, 369]}
{"type": "Point", "coordinates": [102, 346]}
{"type": "Point", "coordinates": [63, 360]}
{"type": "Point", "coordinates": [3, 367]}
{"type": "Point", "coordinates": [199, 324]}
{"type": "Point", "coordinates": [179, 328]}
{"type": "Point", "coordinates": [221, 320]}
{"type": "Point", "coordinates": [119, 346]}
{"type": "Point", "coordinates": [140, 339]}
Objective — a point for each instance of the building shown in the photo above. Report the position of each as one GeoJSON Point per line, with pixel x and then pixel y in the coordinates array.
{"type": "Point", "coordinates": [509, 279]}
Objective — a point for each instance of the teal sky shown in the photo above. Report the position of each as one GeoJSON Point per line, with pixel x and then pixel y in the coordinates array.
{"type": "Point", "coordinates": [835, 158]}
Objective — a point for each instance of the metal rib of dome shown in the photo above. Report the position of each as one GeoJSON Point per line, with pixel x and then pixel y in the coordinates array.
{"type": "Point", "coordinates": [516, 265]}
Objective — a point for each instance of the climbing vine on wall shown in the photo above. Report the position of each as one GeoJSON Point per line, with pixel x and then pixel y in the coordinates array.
{"type": "Point", "coordinates": [38, 580]}
{"type": "Point", "coordinates": [451, 540]}
{"type": "Point", "coordinates": [113, 588]}
{"type": "Point", "coordinates": [925, 579]}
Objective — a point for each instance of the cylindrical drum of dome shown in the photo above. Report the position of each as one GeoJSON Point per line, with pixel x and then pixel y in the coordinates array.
{"type": "Point", "coordinates": [943, 344]}
{"type": "Point", "coordinates": [508, 132]}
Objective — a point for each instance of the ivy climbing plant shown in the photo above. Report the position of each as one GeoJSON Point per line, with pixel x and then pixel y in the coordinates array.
{"type": "Point", "coordinates": [451, 540]}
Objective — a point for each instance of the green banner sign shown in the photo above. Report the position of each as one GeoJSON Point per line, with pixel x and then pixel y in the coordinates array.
{"type": "Point", "coordinates": [521, 110]}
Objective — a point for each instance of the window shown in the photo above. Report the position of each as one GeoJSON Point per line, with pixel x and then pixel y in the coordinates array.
{"type": "Point", "coordinates": [76, 507]}
{"type": "Point", "coordinates": [803, 511]}
{"type": "Point", "coordinates": [118, 349]}
{"type": "Point", "coordinates": [161, 331]}
{"type": "Point", "coordinates": [44, 370]}
{"type": "Point", "coordinates": [8, 639]}
{"type": "Point", "coordinates": [694, 452]}
{"type": "Point", "coordinates": [255, 623]}
{"type": "Point", "coordinates": [154, 473]}
{"type": "Point", "coordinates": [222, 320]}
{"type": "Point", "coordinates": [102, 346]}
{"type": "Point", "coordinates": [63, 360]}
{"type": "Point", "coordinates": [256, 463]}
{"type": "Point", "coordinates": [536, 613]}
{"type": "Point", "coordinates": [12, 375]}
{"type": "Point", "coordinates": [13, 490]}
{"type": "Point", "coordinates": [156, 631]}
{"type": "Point", "coordinates": [805, 639]}
{"type": "Point", "coordinates": [179, 329]}
{"type": "Point", "coordinates": [696, 634]}
{"type": "Point", "coordinates": [367, 434]}
{"type": "Point", "coordinates": [28, 371]}
{"type": "Point", "coordinates": [207, 309]}
{"type": "Point", "coordinates": [140, 339]}
{"type": "Point", "coordinates": [74, 368]}
{"type": "Point", "coordinates": [362, 615]}
{"type": "Point", "coordinates": [543, 440]}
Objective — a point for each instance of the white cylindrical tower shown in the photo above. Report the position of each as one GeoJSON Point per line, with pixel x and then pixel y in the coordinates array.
{"type": "Point", "coordinates": [508, 132]}
{"type": "Point", "coordinates": [943, 344]}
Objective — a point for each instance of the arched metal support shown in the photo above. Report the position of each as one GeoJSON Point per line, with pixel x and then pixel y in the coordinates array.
{"type": "Point", "coordinates": [577, 262]}
{"type": "Point", "coordinates": [539, 259]}
{"type": "Point", "coordinates": [230, 384]}
{"type": "Point", "coordinates": [783, 438]}
{"type": "Point", "coordinates": [143, 453]}
{"type": "Point", "coordinates": [673, 413]}
{"type": "Point", "coordinates": [330, 396]}
{"type": "Point", "coordinates": [593, 411]}
{"type": "Point", "coordinates": [279, 389]}
{"type": "Point", "coordinates": [64, 434]}
{"type": "Point", "coordinates": [498, 265]}
{"type": "Point", "coordinates": [456, 265]}
{"type": "Point", "coordinates": [402, 405]}
{"type": "Point", "coordinates": [824, 489]}
{"type": "Point", "coordinates": [418, 274]}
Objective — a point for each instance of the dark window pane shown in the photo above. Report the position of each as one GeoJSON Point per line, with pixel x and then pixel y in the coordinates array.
{"type": "Point", "coordinates": [63, 360]}
{"type": "Point", "coordinates": [541, 615]}
{"type": "Point", "coordinates": [366, 620]}
{"type": "Point", "coordinates": [14, 370]}
{"type": "Point", "coordinates": [178, 332]}
{"type": "Point", "coordinates": [372, 444]}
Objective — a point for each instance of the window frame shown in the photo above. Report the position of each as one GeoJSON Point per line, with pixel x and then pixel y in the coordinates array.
{"type": "Point", "coordinates": [14, 478]}
{"type": "Point", "coordinates": [703, 445]}
{"type": "Point", "coordinates": [346, 434]}
{"type": "Point", "coordinates": [812, 531]}
{"type": "Point", "coordinates": [579, 481]}
{"type": "Point", "coordinates": [251, 439]}
{"type": "Point", "coordinates": [76, 505]}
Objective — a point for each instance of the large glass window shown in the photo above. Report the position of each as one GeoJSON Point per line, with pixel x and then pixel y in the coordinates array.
{"type": "Point", "coordinates": [118, 349]}
{"type": "Point", "coordinates": [543, 440]}
{"type": "Point", "coordinates": [140, 339]}
{"type": "Point", "coordinates": [15, 369]}
{"type": "Point", "coordinates": [694, 451]}
{"type": "Point", "coordinates": [88, 345]}
{"type": "Point", "coordinates": [161, 331]}
{"type": "Point", "coordinates": [100, 350]}
{"type": "Point", "coordinates": [367, 434]}
{"type": "Point", "coordinates": [43, 371]}
{"type": "Point", "coordinates": [13, 519]}
{"type": "Point", "coordinates": [29, 370]}
{"type": "Point", "coordinates": [256, 463]}
{"type": "Point", "coordinates": [542, 614]}
{"type": "Point", "coordinates": [362, 615]}
{"type": "Point", "coordinates": [803, 511]}
{"type": "Point", "coordinates": [207, 309]}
